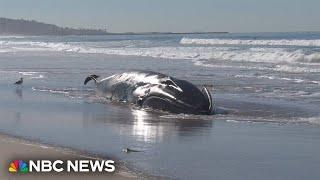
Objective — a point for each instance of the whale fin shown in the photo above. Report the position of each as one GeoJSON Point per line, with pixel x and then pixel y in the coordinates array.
{"type": "Point", "coordinates": [91, 77]}
{"type": "Point", "coordinates": [207, 94]}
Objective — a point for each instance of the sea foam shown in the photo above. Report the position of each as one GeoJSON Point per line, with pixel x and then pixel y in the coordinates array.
{"type": "Point", "coordinates": [279, 42]}
{"type": "Point", "coordinates": [254, 54]}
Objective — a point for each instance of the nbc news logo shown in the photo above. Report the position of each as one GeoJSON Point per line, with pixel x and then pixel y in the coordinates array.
{"type": "Point", "coordinates": [45, 166]}
{"type": "Point", "coordinates": [18, 166]}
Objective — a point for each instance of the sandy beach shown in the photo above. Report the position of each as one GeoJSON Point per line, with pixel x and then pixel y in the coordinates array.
{"type": "Point", "coordinates": [14, 148]}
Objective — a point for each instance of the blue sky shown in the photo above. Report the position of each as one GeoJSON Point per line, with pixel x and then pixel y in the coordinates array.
{"type": "Point", "coordinates": [171, 15]}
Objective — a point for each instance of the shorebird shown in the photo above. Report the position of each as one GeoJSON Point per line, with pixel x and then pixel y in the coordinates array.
{"type": "Point", "coordinates": [19, 82]}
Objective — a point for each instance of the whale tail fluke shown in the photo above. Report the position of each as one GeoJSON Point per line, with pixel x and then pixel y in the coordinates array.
{"type": "Point", "coordinates": [91, 77]}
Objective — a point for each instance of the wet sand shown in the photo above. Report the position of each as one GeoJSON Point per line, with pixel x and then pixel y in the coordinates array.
{"type": "Point", "coordinates": [14, 148]}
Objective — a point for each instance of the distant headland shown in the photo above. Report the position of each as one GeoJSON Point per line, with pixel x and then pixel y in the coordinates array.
{"type": "Point", "coordinates": [35, 28]}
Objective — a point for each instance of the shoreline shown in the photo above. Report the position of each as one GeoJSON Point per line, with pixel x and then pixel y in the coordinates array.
{"type": "Point", "coordinates": [13, 147]}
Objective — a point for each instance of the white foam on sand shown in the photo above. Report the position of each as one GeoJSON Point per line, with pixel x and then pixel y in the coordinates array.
{"type": "Point", "coordinates": [296, 80]}
{"type": "Point", "coordinates": [70, 92]}
{"type": "Point", "coordinates": [54, 91]}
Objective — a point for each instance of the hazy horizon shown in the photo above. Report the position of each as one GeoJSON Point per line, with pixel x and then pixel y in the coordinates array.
{"type": "Point", "coordinates": [170, 16]}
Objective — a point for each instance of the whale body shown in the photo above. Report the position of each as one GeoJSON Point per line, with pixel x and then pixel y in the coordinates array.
{"type": "Point", "coordinates": [154, 90]}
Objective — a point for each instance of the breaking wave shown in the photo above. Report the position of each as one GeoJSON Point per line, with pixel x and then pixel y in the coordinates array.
{"type": "Point", "coordinates": [254, 54]}
{"type": "Point", "coordinates": [280, 42]}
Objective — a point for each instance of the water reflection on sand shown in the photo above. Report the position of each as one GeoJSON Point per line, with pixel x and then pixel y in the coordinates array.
{"type": "Point", "coordinates": [143, 125]}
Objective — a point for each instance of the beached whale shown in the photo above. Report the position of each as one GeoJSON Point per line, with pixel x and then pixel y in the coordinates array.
{"type": "Point", "coordinates": [154, 90]}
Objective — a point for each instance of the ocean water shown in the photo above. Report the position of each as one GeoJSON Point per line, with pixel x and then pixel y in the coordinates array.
{"type": "Point", "coordinates": [265, 87]}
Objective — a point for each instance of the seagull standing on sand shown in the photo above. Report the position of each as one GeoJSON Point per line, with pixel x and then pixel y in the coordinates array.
{"type": "Point", "coordinates": [19, 82]}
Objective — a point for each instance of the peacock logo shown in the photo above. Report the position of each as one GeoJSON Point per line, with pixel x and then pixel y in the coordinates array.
{"type": "Point", "coordinates": [18, 166]}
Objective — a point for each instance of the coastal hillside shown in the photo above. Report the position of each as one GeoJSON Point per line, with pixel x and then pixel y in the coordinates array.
{"type": "Point", "coordinates": [30, 27]}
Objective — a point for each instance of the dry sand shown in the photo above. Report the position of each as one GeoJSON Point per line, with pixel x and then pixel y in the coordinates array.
{"type": "Point", "coordinates": [13, 148]}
